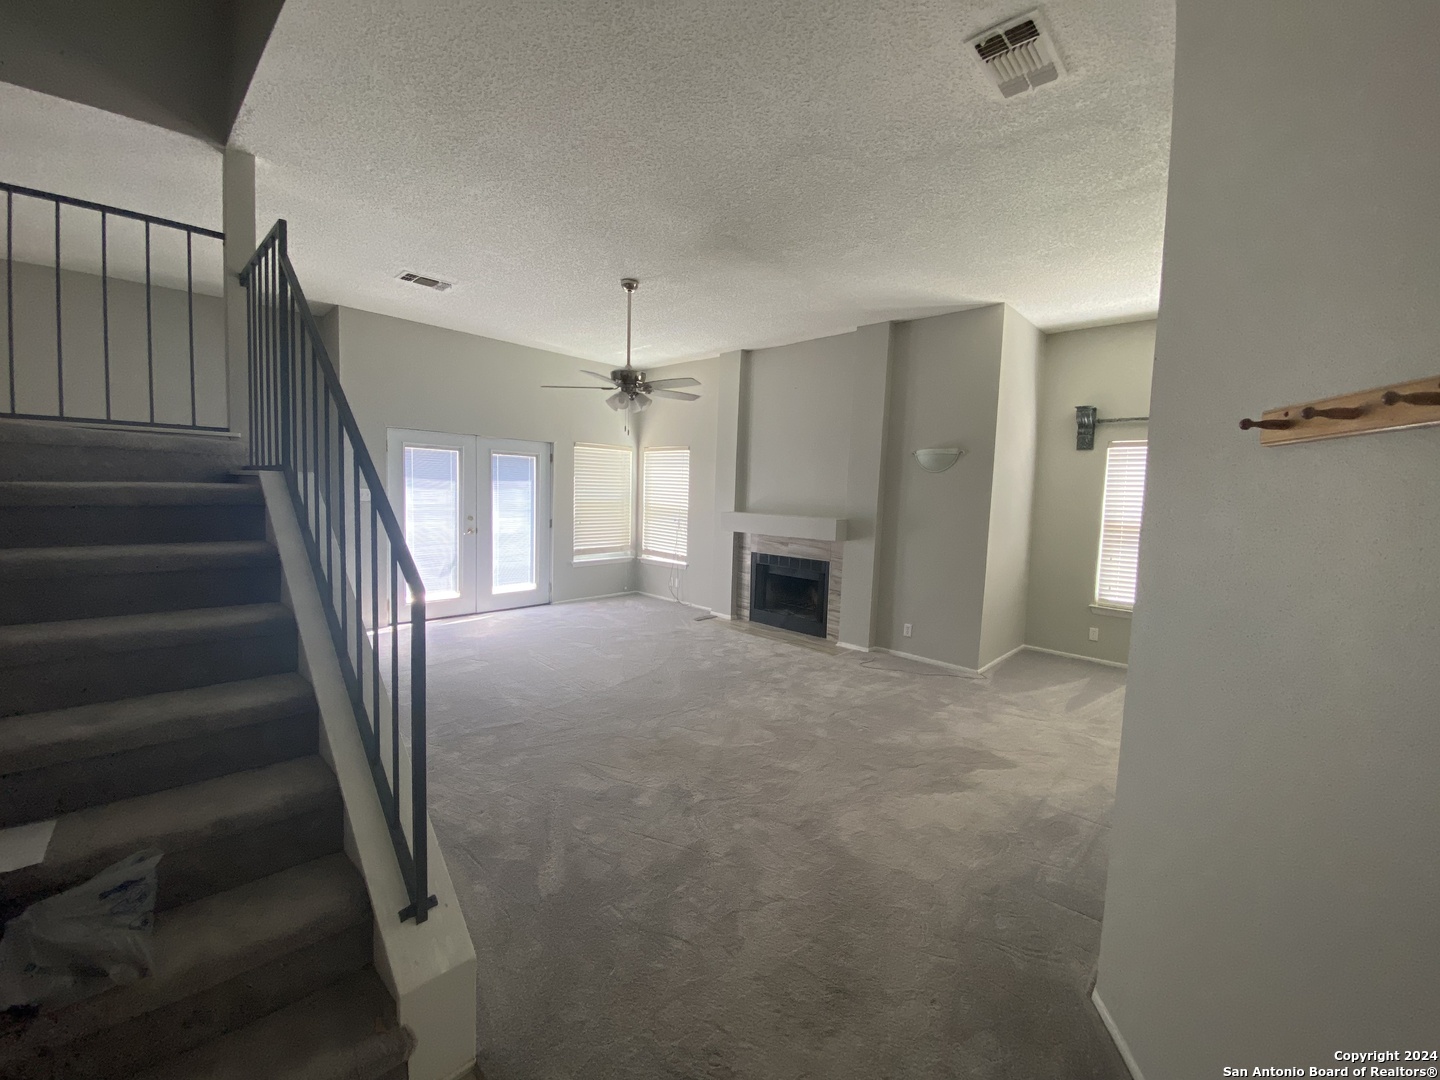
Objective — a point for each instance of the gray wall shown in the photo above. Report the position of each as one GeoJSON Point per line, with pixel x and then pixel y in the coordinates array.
{"type": "Point", "coordinates": [798, 423]}
{"type": "Point", "coordinates": [1109, 367]}
{"type": "Point", "coordinates": [692, 424]}
{"type": "Point", "coordinates": [1007, 558]}
{"type": "Point", "coordinates": [82, 345]}
{"type": "Point", "coordinates": [944, 391]}
{"type": "Point", "coordinates": [1274, 875]}
{"type": "Point", "coordinates": [400, 374]}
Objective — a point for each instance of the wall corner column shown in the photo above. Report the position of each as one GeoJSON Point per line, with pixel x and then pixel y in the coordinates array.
{"type": "Point", "coordinates": [238, 215]}
{"type": "Point", "coordinates": [730, 442]}
{"type": "Point", "coordinates": [863, 497]}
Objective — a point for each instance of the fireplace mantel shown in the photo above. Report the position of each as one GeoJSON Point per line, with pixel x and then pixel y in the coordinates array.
{"type": "Point", "coordinates": [803, 528]}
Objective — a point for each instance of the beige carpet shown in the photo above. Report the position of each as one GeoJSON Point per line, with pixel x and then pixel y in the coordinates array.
{"type": "Point", "coordinates": [689, 850]}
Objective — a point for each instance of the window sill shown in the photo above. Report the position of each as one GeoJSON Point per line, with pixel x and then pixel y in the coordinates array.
{"type": "Point", "coordinates": [664, 562]}
{"type": "Point", "coordinates": [601, 560]}
{"type": "Point", "coordinates": [1113, 612]}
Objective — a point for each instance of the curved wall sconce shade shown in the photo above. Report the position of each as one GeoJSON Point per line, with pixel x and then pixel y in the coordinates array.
{"type": "Point", "coordinates": [937, 459]}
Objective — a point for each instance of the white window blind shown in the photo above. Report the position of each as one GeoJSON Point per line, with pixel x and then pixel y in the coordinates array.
{"type": "Point", "coordinates": [1120, 524]}
{"type": "Point", "coordinates": [665, 515]}
{"type": "Point", "coordinates": [604, 502]}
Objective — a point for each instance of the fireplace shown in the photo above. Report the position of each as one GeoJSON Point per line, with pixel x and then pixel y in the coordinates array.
{"type": "Point", "coordinates": [789, 593]}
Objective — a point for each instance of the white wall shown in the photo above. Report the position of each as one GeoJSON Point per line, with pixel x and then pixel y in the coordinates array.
{"type": "Point", "coordinates": [400, 374]}
{"type": "Point", "coordinates": [1007, 558]}
{"type": "Point", "coordinates": [1108, 367]}
{"type": "Point", "coordinates": [1274, 876]}
{"type": "Point", "coordinates": [83, 353]}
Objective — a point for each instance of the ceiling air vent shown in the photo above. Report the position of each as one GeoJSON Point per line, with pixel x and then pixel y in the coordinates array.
{"type": "Point", "coordinates": [425, 281]}
{"type": "Point", "coordinates": [1018, 55]}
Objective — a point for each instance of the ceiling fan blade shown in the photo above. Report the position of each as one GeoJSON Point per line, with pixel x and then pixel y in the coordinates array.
{"type": "Point", "coordinates": [597, 375]}
{"type": "Point", "coordinates": [658, 383]}
{"type": "Point", "coordinates": [557, 386]}
{"type": "Point", "coordinates": [679, 395]}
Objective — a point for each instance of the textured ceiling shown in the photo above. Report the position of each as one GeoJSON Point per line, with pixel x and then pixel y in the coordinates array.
{"type": "Point", "coordinates": [772, 172]}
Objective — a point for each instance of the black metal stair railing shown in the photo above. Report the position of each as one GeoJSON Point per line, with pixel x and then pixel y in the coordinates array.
{"type": "Point", "coordinates": [301, 425]}
{"type": "Point", "coordinates": [46, 399]}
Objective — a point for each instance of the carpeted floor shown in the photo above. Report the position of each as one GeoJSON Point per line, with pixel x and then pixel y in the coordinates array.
{"type": "Point", "coordinates": [691, 849]}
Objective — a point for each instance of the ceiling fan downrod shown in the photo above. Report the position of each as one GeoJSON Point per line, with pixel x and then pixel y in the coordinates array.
{"type": "Point", "coordinates": [629, 284]}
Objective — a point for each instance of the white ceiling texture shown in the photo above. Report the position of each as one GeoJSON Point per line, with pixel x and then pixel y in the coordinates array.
{"type": "Point", "coordinates": [770, 171]}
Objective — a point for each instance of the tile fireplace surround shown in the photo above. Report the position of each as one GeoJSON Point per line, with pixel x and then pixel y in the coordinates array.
{"type": "Point", "coordinates": [828, 550]}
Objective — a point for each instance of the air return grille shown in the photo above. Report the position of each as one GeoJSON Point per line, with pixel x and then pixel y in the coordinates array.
{"type": "Point", "coordinates": [427, 282]}
{"type": "Point", "coordinates": [1018, 55]}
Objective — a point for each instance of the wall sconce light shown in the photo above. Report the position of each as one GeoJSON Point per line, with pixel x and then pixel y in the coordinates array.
{"type": "Point", "coordinates": [937, 458]}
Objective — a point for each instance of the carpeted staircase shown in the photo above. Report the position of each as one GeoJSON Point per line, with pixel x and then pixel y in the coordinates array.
{"type": "Point", "coordinates": [149, 697]}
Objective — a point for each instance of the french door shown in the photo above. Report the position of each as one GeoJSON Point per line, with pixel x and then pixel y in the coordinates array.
{"type": "Point", "coordinates": [476, 514]}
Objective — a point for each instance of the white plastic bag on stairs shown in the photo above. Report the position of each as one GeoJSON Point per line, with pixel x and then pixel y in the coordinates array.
{"type": "Point", "coordinates": [77, 943]}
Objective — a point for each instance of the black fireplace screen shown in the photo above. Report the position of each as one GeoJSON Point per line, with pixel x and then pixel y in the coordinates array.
{"type": "Point", "coordinates": [789, 593]}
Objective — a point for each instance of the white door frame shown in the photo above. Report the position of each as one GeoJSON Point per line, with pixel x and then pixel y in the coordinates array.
{"type": "Point", "coordinates": [476, 525]}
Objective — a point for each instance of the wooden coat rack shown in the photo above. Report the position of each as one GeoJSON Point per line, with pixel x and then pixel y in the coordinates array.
{"type": "Point", "coordinates": [1386, 408]}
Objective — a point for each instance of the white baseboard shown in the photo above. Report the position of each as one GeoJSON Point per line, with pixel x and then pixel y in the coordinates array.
{"type": "Point", "coordinates": [672, 600]}
{"type": "Point", "coordinates": [854, 648]}
{"type": "Point", "coordinates": [1000, 659]}
{"type": "Point", "coordinates": [1075, 656]}
{"type": "Point", "coordinates": [926, 660]}
{"type": "Point", "coordinates": [1119, 1040]}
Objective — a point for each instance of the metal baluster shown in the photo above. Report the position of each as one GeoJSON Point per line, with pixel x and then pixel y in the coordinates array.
{"type": "Point", "coordinates": [420, 833]}
{"type": "Point", "coordinates": [392, 805]}
{"type": "Point", "coordinates": [149, 327]}
{"type": "Point", "coordinates": [59, 350]}
{"type": "Point", "coordinates": [340, 533]}
{"type": "Point", "coordinates": [190, 298]}
{"type": "Point", "coordinates": [105, 303]}
{"type": "Point", "coordinates": [375, 623]}
{"type": "Point", "coordinates": [359, 598]}
{"type": "Point", "coordinates": [10, 289]}
{"type": "Point", "coordinates": [315, 435]}
{"type": "Point", "coordinates": [303, 412]}
{"type": "Point", "coordinates": [249, 283]}
{"type": "Point", "coordinates": [329, 548]}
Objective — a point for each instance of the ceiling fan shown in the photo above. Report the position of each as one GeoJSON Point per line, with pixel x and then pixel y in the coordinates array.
{"type": "Point", "coordinates": [633, 391]}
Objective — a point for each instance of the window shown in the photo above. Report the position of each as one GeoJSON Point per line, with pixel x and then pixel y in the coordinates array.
{"type": "Point", "coordinates": [1120, 524]}
{"type": "Point", "coordinates": [665, 516]}
{"type": "Point", "coordinates": [604, 502]}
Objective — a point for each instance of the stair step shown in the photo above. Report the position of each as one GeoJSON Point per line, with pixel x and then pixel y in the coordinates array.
{"type": "Point", "coordinates": [46, 584]}
{"type": "Point", "coordinates": [216, 834]}
{"type": "Point", "coordinates": [220, 963]}
{"type": "Point", "coordinates": [346, 1031]}
{"type": "Point", "coordinates": [52, 763]}
{"type": "Point", "coordinates": [47, 450]}
{"type": "Point", "coordinates": [55, 665]}
{"type": "Point", "coordinates": [45, 513]}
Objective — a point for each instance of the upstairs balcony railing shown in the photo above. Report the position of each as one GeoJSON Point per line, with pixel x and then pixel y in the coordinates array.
{"type": "Point", "coordinates": [111, 315]}
{"type": "Point", "coordinates": [301, 425]}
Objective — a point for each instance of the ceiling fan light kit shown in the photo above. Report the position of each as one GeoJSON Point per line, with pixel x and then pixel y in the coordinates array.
{"type": "Point", "coordinates": [633, 392]}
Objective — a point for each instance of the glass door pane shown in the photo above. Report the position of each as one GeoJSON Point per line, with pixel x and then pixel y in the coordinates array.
{"type": "Point", "coordinates": [513, 486]}
{"type": "Point", "coordinates": [432, 517]}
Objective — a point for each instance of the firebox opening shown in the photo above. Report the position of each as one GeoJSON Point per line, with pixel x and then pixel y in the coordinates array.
{"type": "Point", "coordinates": [789, 593]}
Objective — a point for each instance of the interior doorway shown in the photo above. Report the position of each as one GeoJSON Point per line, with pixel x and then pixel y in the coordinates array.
{"type": "Point", "coordinates": [476, 514]}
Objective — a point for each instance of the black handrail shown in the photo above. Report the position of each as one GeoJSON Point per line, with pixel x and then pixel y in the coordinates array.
{"type": "Point", "coordinates": [294, 392]}
{"type": "Point", "coordinates": [105, 213]}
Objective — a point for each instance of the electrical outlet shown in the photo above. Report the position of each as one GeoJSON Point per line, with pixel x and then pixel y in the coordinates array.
{"type": "Point", "coordinates": [1094, 633]}
{"type": "Point", "coordinates": [906, 631]}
